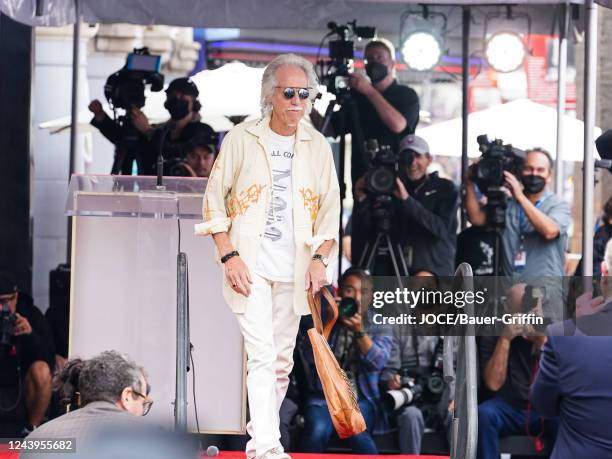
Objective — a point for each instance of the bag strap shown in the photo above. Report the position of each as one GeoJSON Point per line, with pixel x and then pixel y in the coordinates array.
{"type": "Point", "coordinates": [314, 303]}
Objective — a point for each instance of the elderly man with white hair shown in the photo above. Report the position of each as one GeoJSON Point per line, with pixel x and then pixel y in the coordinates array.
{"type": "Point", "coordinates": [272, 205]}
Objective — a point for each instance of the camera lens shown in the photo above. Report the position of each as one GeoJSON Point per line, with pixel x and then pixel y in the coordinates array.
{"type": "Point", "coordinates": [381, 180]}
{"type": "Point", "coordinates": [348, 307]}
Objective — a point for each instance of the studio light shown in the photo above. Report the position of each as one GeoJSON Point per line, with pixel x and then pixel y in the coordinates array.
{"type": "Point", "coordinates": [421, 50]}
{"type": "Point", "coordinates": [422, 38]}
{"type": "Point", "coordinates": [505, 51]}
{"type": "Point", "coordinates": [506, 43]}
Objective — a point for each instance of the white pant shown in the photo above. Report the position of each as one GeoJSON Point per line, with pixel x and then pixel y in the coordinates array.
{"type": "Point", "coordinates": [269, 328]}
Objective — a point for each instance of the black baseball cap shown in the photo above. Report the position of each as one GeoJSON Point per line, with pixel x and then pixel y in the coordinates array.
{"type": "Point", "coordinates": [8, 284]}
{"type": "Point", "coordinates": [184, 86]}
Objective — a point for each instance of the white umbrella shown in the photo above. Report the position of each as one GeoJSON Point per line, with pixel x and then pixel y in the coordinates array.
{"type": "Point", "coordinates": [522, 123]}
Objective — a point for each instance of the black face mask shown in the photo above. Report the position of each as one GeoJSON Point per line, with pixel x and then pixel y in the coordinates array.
{"type": "Point", "coordinates": [377, 72]}
{"type": "Point", "coordinates": [178, 108]}
{"type": "Point", "coordinates": [533, 183]}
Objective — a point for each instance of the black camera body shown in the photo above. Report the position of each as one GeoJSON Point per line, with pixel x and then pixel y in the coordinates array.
{"type": "Point", "coordinates": [423, 385]}
{"type": "Point", "coordinates": [7, 324]}
{"type": "Point", "coordinates": [125, 88]}
{"type": "Point", "coordinates": [341, 55]}
{"type": "Point", "coordinates": [384, 169]}
{"type": "Point", "coordinates": [496, 158]}
{"type": "Point", "coordinates": [348, 307]}
{"type": "Point", "coordinates": [488, 174]}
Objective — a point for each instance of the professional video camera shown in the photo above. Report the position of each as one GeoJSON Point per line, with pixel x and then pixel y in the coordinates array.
{"type": "Point", "coordinates": [380, 181]}
{"type": "Point", "coordinates": [7, 323]}
{"type": "Point", "coordinates": [335, 72]}
{"type": "Point", "coordinates": [496, 158]}
{"type": "Point", "coordinates": [384, 169]}
{"type": "Point", "coordinates": [125, 88]}
{"type": "Point", "coordinates": [488, 174]}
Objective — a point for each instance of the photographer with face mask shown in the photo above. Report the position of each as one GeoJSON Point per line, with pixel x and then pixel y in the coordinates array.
{"type": "Point", "coordinates": [177, 134]}
{"type": "Point", "coordinates": [386, 110]}
{"type": "Point", "coordinates": [536, 220]}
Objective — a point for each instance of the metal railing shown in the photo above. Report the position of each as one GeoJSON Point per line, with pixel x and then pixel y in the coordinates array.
{"type": "Point", "coordinates": [460, 369]}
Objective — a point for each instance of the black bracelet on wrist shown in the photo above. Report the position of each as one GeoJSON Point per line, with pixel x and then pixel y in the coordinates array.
{"type": "Point", "coordinates": [360, 334]}
{"type": "Point", "coordinates": [227, 256]}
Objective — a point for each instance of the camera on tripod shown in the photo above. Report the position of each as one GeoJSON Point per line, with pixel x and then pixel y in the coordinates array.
{"type": "Point", "coordinates": [496, 158]}
{"type": "Point", "coordinates": [335, 72]}
{"type": "Point", "coordinates": [488, 174]}
{"type": "Point", "coordinates": [126, 87]}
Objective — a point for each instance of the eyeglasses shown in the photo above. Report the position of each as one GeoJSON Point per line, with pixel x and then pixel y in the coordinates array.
{"type": "Point", "coordinates": [289, 93]}
{"type": "Point", "coordinates": [146, 405]}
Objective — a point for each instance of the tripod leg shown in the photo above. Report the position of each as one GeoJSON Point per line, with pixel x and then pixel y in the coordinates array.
{"type": "Point", "coordinates": [400, 254]}
{"type": "Point", "coordinates": [370, 263]}
{"type": "Point", "coordinates": [394, 261]}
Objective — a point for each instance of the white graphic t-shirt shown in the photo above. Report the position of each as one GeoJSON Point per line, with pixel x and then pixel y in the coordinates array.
{"type": "Point", "coordinates": [276, 257]}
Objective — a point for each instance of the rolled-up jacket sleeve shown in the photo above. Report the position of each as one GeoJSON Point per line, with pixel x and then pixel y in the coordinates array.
{"type": "Point", "coordinates": [218, 187]}
{"type": "Point", "coordinates": [327, 222]}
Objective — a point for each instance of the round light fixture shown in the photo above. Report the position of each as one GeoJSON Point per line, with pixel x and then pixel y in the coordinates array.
{"type": "Point", "coordinates": [505, 51]}
{"type": "Point", "coordinates": [421, 50]}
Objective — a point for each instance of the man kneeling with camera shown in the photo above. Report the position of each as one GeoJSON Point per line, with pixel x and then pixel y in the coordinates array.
{"type": "Point", "coordinates": [361, 354]}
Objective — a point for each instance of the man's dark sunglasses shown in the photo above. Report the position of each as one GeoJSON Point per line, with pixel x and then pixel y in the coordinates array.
{"type": "Point", "coordinates": [289, 93]}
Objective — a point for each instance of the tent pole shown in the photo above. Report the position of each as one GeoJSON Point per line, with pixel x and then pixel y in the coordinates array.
{"type": "Point", "coordinates": [590, 81]}
{"type": "Point", "coordinates": [561, 95]}
{"type": "Point", "coordinates": [74, 116]}
{"type": "Point", "coordinates": [465, 37]}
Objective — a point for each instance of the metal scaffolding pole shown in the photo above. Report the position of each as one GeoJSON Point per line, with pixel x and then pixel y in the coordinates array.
{"type": "Point", "coordinates": [590, 88]}
{"type": "Point", "coordinates": [74, 114]}
{"type": "Point", "coordinates": [561, 95]}
{"type": "Point", "coordinates": [465, 36]}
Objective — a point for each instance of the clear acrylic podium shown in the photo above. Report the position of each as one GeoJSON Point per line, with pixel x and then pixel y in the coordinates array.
{"type": "Point", "coordinates": [125, 242]}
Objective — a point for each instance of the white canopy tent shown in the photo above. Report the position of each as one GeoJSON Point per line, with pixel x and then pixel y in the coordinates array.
{"type": "Point", "coordinates": [522, 123]}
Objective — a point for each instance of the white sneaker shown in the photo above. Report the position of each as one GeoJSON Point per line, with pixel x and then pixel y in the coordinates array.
{"type": "Point", "coordinates": [275, 453]}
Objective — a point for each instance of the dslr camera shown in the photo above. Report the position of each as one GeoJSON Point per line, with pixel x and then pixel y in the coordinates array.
{"type": "Point", "coordinates": [423, 385]}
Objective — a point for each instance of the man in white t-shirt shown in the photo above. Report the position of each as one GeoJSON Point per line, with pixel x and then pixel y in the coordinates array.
{"type": "Point", "coordinates": [272, 205]}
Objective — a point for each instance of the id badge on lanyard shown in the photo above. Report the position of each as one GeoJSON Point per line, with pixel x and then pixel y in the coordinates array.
{"type": "Point", "coordinates": [520, 259]}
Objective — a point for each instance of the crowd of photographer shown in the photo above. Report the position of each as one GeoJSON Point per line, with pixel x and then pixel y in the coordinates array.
{"type": "Point", "coordinates": [404, 223]}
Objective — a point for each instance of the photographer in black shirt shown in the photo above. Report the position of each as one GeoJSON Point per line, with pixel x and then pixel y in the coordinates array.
{"type": "Point", "coordinates": [424, 221]}
{"type": "Point", "coordinates": [386, 110]}
{"type": "Point", "coordinates": [174, 136]}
